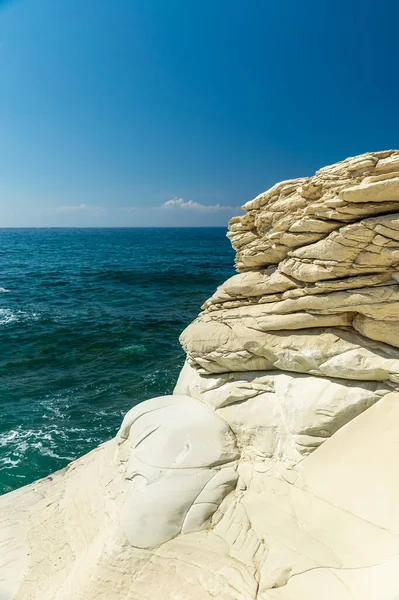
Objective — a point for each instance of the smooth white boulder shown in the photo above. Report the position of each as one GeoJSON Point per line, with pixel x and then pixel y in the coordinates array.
{"type": "Point", "coordinates": [174, 453]}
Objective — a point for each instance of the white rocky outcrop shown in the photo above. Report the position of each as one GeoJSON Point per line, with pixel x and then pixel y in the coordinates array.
{"type": "Point", "coordinates": [271, 472]}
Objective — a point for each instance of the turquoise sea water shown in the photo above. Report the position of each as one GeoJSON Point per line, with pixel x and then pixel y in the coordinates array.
{"type": "Point", "coordinates": [89, 326]}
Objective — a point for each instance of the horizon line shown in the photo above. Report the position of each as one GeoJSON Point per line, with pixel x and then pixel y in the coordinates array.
{"type": "Point", "coordinates": [114, 227]}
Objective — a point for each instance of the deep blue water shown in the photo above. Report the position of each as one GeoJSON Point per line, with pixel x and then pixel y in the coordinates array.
{"type": "Point", "coordinates": [89, 326]}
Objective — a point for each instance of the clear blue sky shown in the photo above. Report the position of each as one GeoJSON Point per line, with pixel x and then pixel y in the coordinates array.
{"type": "Point", "coordinates": [110, 109]}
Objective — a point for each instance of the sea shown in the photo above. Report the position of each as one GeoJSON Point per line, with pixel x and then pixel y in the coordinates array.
{"type": "Point", "coordinates": [89, 327]}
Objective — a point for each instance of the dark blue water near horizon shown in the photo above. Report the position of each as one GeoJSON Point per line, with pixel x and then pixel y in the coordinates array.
{"type": "Point", "coordinates": [89, 326]}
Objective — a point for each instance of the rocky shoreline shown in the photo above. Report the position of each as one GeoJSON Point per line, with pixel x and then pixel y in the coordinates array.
{"type": "Point", "coordinates": [270, 473]}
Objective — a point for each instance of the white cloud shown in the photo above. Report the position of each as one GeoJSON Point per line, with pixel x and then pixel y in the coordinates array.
{"type": "Point", "coordinates": [79, 208]}
{"type": "Point", "coordinates": [179, 203]}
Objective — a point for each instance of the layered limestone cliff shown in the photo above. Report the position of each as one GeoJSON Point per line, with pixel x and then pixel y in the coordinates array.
{"type": "Point", "coordinates": [271, 473]}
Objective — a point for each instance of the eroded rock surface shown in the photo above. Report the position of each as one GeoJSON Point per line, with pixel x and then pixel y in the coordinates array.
{"type": "Point", "coordinates": [271, 473]}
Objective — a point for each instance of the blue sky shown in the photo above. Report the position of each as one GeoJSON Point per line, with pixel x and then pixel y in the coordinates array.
{"type": "Point", "coordinates": [176, 112]}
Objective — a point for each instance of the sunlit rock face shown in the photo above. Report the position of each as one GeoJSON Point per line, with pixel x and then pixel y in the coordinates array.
{"type": "Point", "coordinates": [180, 462]}
{"type": "Point", "coordinates": [271, 472]}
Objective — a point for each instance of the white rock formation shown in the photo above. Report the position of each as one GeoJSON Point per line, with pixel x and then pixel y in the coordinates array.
{"type": "Point", "coordinates": [271, 473]}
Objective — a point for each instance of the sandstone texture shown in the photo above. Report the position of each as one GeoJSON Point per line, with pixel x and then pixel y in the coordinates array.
{"type": "Point", "coordinates": [271, 472]}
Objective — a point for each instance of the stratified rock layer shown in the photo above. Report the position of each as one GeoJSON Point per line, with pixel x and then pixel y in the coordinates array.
{"type": "Point", "coordinates": [271, 473]}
